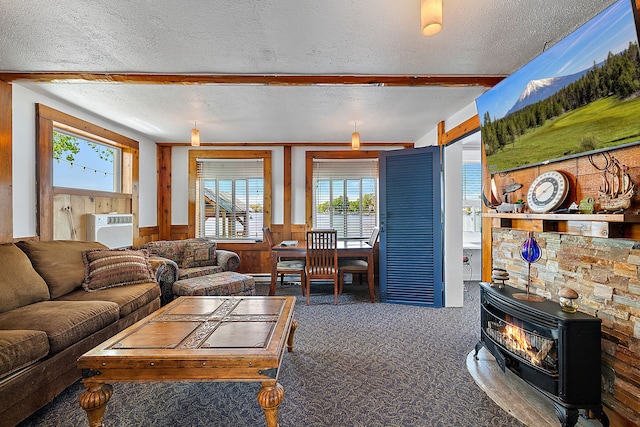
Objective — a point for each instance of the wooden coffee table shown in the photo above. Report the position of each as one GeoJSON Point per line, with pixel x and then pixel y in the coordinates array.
{"type": "Point", "coordinates": [197, 339]}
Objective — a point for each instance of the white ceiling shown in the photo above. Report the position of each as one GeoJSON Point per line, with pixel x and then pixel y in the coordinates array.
{"type": "Point", "coordinates": [276, 37]}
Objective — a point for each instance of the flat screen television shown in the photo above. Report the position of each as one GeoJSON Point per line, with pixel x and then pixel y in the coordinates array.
{"type": "Point", "coordinates": [580, 96]}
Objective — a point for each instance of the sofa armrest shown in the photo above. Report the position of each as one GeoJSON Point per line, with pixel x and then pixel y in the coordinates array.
{"type": "Point", "coordinates": [166, 272]}
{"type": "Point", "coordinates": [228, 260]}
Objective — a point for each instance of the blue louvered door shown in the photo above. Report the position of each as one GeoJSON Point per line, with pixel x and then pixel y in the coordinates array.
{"type": "Point", "coordinates": [411, 231]}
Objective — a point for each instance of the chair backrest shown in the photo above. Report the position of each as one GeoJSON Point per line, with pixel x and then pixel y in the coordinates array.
{"type": "Point", "coordinates": [268, 236]}
{"type": "Point", "coordinates": [374, 236]}
{"type": "Point", "coordinates": [322, 251]}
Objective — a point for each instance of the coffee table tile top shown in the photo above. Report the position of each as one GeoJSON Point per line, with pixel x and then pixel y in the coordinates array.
{"type": "Point", "coordinates": [202, 323]}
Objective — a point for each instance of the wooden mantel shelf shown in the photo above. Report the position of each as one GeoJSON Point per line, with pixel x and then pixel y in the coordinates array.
{"type": "Point", "coordinates": [624, 225]}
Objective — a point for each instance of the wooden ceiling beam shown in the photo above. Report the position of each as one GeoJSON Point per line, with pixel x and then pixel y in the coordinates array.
{"type": "Point", "coordinates": [257, 79]}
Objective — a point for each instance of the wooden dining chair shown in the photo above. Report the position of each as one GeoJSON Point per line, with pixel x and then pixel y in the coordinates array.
{"type": "Point", "coordinates": [286, 266]}
{"type": "Point", "coordinates": [322, 259]}
{"type": "Point", "coordinates": [356, 266]}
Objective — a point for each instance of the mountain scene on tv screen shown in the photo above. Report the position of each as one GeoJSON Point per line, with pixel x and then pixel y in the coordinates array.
{"type": "Point", "coordinates": [564, 115]}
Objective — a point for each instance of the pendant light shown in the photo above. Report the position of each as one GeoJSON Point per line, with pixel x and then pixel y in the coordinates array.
{"type": "Point", "coordinates": [355, 139]}
{"type": "Point", "coordinates": [195, 136]}
{"type": "Point", "coordinates": [430, 17]}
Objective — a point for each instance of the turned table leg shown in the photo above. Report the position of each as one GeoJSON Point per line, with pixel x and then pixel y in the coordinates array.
{"type": "Point", "coordinates": [294, 326]}
{"type": "Point", "coordinates": [269, 396]}
{"type": "Point", "coordinates": [94, 401]}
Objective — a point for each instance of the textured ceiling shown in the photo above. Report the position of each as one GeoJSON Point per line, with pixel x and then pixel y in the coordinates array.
{"type": "Point", "coordinates": [276, 37]}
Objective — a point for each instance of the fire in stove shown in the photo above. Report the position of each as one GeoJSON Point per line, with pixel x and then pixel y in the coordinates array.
{"type": "Point", "coordinates": [535, 349]}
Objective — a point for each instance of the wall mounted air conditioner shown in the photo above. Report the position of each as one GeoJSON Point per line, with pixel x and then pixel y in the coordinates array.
{"type": "Point", "coordinates": [112, 230]}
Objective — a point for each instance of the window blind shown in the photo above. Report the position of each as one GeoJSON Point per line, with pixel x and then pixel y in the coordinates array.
{"type": "Point", "coordinates": [471, 181]}
{"type": "Point", "coordinates": [345, 196]}
{"type": "Point", "coordinates": [230, 198]}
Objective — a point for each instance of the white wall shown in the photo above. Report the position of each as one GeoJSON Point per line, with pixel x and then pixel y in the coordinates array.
{"type": "Point", "coordinates": [24, 160]}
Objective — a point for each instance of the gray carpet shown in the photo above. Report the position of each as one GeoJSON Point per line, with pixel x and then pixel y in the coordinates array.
{"type": "Point", "coordinates": [354, 365]}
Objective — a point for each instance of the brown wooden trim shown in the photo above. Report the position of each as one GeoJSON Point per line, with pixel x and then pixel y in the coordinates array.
{"type": "Point", "coordinates": [288, 144]}
{"type": "Point", "coordinates": [352, 154]}
{"type": "Point", "coordinates": [288, 208]}
{"type": "Point", "coordinates": [90, 193]}
{"type": "Point", "coordinates": [265, 155]}
{"type": "Point", "coordinates": [486, 237]}
{"type": "Point", "coordinates": [441, 133]}
{"type": "Point", "coordinates": [164, 192]}
{"type": "Point", "coordinates": [44, 171]}
{"type": "Point", "coordinates": [310, 155]}
{"type": "Point", "coordinates": [66, 122]}
{"type": "Point", "coordinates": [6, 156]}
{"type": "Point", "coordinates": [453, 80]}
{"type": "Point", "coordinates": [464, 129]}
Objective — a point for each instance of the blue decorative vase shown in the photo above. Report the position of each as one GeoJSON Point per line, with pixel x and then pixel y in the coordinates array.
{"type": "Point", "coordinates": [530, 250]}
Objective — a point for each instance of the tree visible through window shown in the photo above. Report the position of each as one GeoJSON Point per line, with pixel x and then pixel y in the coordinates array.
{"type": "Point", "coordinates": [79, 162]}
{"type": "Point", "coordinates": [345, 196]}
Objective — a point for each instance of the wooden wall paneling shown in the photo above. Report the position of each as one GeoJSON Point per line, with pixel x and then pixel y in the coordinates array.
{"type": "Point", "coordinates": [61, 229]}
{"type": "Point", "coordinates": [179, 232]}
{"type": "Point", "coordinates": [6, 156]}
{"type": "Point", "coordinates": [164, 191]}
{"type": "Point", "coordinates": [584, 179]}
{"type": "Point", "coordinates": [146, 235]}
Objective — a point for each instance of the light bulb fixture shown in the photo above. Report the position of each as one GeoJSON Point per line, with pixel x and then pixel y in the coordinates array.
{"type": "Point", "coordinates": [430, 17]}
{"type": "Point", "coordinates": [355, 139]}
{"type": "Point", "coordinates": [195, 136]}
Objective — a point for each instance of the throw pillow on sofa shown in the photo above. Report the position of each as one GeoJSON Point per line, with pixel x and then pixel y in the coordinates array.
{"type": "Point", "coordinates": [199, 254]}
{"type": "Point", "coordinates": [105, 268]}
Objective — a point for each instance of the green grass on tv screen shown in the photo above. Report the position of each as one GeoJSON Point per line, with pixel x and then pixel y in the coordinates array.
{"type": "Point", "coordinates": [602, 124]}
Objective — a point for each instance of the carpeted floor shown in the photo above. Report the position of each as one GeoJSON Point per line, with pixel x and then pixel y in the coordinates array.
{"type": "Point", "coordinates": [356, 364]}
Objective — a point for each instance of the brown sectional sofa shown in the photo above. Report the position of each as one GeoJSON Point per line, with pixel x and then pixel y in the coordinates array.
{"type": "Point", "coordinates": [47, 320]}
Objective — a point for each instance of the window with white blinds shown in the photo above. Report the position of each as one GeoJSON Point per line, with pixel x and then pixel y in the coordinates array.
{"type": "Point", "coordinates": [345, 196]}
{"type": "Point", "coordinates": [230, 198]}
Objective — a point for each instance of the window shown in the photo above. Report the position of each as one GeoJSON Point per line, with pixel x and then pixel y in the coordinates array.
{"type": "Point", "coordinates": [230, 198]}
{"type": "Point", "coordinates": [345, 196]}
{"type": "Point", "coordinates": [85, 163]}
{"type": "Point", "coordinates": [56, 195]}
{"type": "Point", "coordinates": [471, 201]}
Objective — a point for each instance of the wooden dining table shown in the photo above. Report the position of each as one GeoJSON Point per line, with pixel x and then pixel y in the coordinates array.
{"type": "Point", "coordinates": [358, 249]}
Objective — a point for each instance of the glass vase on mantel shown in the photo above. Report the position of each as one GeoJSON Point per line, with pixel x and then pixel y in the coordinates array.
{"type": "Point", "coordinates": [530, 252]}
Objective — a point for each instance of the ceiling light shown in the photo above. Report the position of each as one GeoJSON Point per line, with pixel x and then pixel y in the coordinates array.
{"type": "Point", "coordinates": [430, 17]}
{"type": "Point", "coordinates": [195, 136]}
{"type": "Point", "coordinates": [355, 139]}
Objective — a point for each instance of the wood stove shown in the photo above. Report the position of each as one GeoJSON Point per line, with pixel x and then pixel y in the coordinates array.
{"type": "Point", "coordinates": [557, 353]}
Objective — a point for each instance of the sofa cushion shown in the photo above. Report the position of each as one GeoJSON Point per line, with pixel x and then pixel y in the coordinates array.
{"type": "Point", "coordinates": [20, 348]}
{"type": "Point", "coordinates": [20, 284]}
{"type": "Point", "coordinates": [106, 268]}
{"type": "Point", "coordinates": [171, 249]}
{"type": "Point", "coordinates": [199, 254]}
{"type": "Point", "coordinates": [64, 322]}
{"type": "Point", "coordinates": [190, 273]}
{"type": "Point", "coordinates": [129, 298]}
{"type": "Point", "coordinates": [59, 262]}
